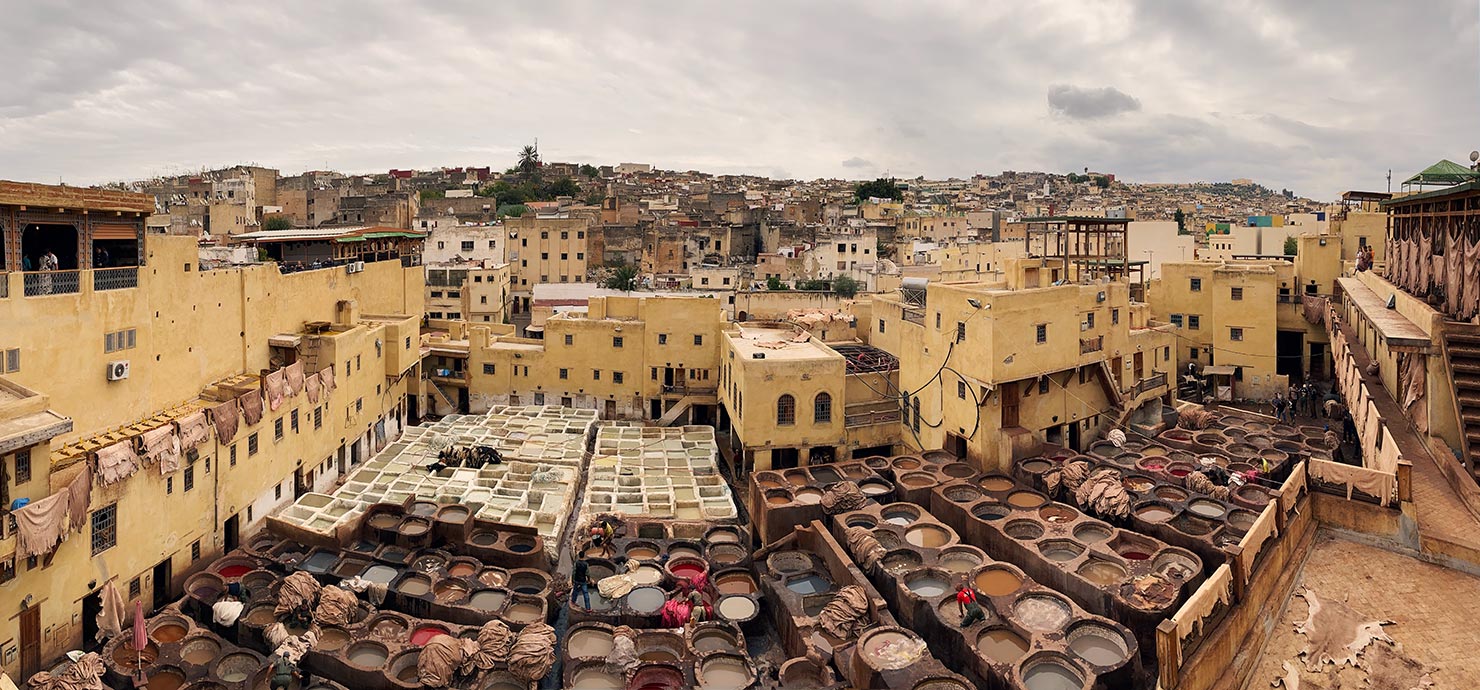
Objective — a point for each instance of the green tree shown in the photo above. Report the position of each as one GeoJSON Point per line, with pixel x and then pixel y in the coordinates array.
{"type": "Point", "coordinates": [624, 278]}
{"type": "Point", "coordinates": [1291, 246]}
{"type": "Point", "coordinates": [845, 286]}
{"type": "Point", "coordinates": [428, 194]}
{"type": "Point", "coordinates": [882, 188]}
{"type": "Point", "coordinates": [1102, 182]}
{"type": "Point", "coordinates": [595, 198]}
{"type": "Point", "coordinates": [277, 223]}
{"type": "Point", "coordinates": [1181, 219]}
{"type": "Point", "coordinates": [529, 161]}
{"type": "Point", "coordinates": [589, 170]}
{"type": "Point", "coordinates": [564, 187]}
{"type": "Point", "coordinates": [774, 283]}
{"type": "Point", "coordinates": [511, 210]}
{"type": "Point", "coordinates": [812, 285]}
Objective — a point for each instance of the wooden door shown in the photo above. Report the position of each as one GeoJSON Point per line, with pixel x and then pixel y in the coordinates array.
{"type": "Point", "coordinates": [30, 641]}
{"type": "Point", "coordinates": [1010, 399]}
{"type": "Point", "coordinates": [1137, 363]}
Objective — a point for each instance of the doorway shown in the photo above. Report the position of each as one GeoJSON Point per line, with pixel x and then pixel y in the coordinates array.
{"type": "Point", "coordinates": [92, 605]}
{"type": "Point", "coordinates": [163, 573]}
{"type": "Point", "coordinates": [1074, 435]}
{"type": "Point", "coordinates": [956, 445]}
{"type": "Point", "coordinates": [232, 528]}
{"type": "Point", "coordinates": [61, 240]}
{"type": "Point", "coordinates": [783, 458]}
{"type": "Point", "coordinates": [610, 409]}
{"type": "Point", "coordinates": [1318, 361]}
{"type": "Point", "coordinates": [1289, 346]}
{"type": "Point", "coordinates": [462, 400]}
{"type": "Point", "coordinates": [1010, 394]}
{"type": "Point", "coordinates": [655, 409]}
{"type": "Point", "coordinates": [30, 641]}
{"type": "Point", "coordinates": [1138, 361]}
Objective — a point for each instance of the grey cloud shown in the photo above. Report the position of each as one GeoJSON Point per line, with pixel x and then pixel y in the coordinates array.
{"type": "Point", "coordinates": [856, 162]}
{"type": "Point", "coordinates": [1088, 104]}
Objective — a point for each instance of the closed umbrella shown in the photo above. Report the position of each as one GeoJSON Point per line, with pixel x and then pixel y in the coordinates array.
{"type": "Point", "coordinates": [141, 637]}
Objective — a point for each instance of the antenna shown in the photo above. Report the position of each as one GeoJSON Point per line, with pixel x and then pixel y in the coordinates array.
{"type": "Point", "coordinates": [1474, 156]}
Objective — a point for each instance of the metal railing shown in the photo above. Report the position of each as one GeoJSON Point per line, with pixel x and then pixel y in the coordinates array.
{"type": "Point", "coordinates": [53, 283]}
{"type": "Point", "coordinates": [115, 278]}
{"type": "Point", "coordinates": [870, 418]}
{"type": "Point", "coordinates": [1151, 382]}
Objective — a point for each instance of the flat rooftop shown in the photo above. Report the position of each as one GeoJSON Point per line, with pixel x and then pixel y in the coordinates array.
{"type": "Point", "coordinates": [1392, 326]}
{"type": "Point", "coordinates": [778, 343]}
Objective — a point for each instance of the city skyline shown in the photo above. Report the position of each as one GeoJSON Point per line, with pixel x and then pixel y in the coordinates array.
{"type": "Point", "coordinates": [1317, 98]}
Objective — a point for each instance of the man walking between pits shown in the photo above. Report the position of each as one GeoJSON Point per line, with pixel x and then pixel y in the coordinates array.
{"type": "Point", "coordinates": [966, 603]}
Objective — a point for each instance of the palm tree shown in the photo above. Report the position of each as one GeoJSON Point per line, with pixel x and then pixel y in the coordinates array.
{"type": "Point", "coordinates": [529, 159]}
{"type": "Point", "coordinates": [623, 278]}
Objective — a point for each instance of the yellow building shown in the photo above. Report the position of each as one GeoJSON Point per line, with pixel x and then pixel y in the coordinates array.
{"type": "Point", "coordinates": [476, 293]}
{"type": "Point", "coordinates": [991, 370]}
{"type": "Point", "coordinates": [133, 350]}
{"type": "Point", "coordinates": [782, 393]}
{"type": "Point", "coordinates": [546, 250]}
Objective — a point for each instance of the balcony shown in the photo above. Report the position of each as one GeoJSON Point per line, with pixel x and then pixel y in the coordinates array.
{"type": "Point", "coordinates": [53, 283]}
{"type": "Point", "coordinates": [870, 414]}
{"type": "Point", "coordinates": [1151, 382]}
{"type": "Point", "coordinates": [115, 278]}
{"type": "Point", "coordinates": [1088, 345]}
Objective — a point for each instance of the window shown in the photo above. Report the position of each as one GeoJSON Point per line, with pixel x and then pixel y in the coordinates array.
{"type": "Point", "coordinates": [565, 401]}
{"type": "Point", "coordinates": [357, 362]}
{"type": "Point", "coordinates": [488, 369]}
{"type": "Point", "coordinates": [698, 340]}
{"type": "Point", "coordinates": [1238, 373]}
{"type": "Point", "coordinates": [915, 422]}
{"type": "Point", "coordinates": [570, 339]}
{"type": "Point", "coordinates": [564, 235]}
{"type": "Point", "coordinates": [277, 429]}
{"type": "Point", "coordinates": [703, 281]}
{"type": "Point", "coordinates": [960, 331]}
{"type": "Point", "coordinates": [293, 420]}
{"type": "Point", "coordinates": [580, 234]}
{"type": "Point", "coordinates": [436, 294]}
{"type": "Point", "coordinates": [467, 245]}
{"type": "Point", "coordinates": [1166, 353]}
{"type": "Point", "coordinates": [277, 492]}
{"type": "Point", "coordinates": [662, 340]}
{"type": "Point", "coordinates": [359, 404]}
{"type": "Point", "coordinates": [190, 476]}
{"type": "Point", "coordinates": [1041, 333]}
{"type": "Point", "coordinates": [233, 455]}
{"type": "Point", "coordinates": [564, 374]}
{"type": "Point", "coordinates": [318, 418]}
{"type": "Point", "coordinates": [539, 398]}
{"type": "Point", "coordinates": [616, 341]}
{"type": "Point", "coordinates": [1177, 320]}
{"type": "Point", "coordinates": [545, 256]}
{"type": "Point", "coordinates": [252, 444]}
{"type": "Point", "coordinates": [104, 528]}
{"type": "Point", "coordinates": [12, 360]}
{"type": "Point", "coordinates": [1236, 294]}
{"type": "Point", "coordinates": [1235, 333]}
{"type": "Point", "coordinates": [1193, 322]}
{"type": "Point", "coordinates": [490, 244]}
{"type": "Point", "coordinates": [822, 408]}
{"type": "Point", "coordinates": [1043, 385]}
{"type": "Point", "coordinates": [564, 256]}
{"type": "Point", "coordinates": [595, 374]}
{"type": "Point", "coordinates": [655, 373]}
{"type": "Point", "coordinates": [961, 389]}
{"type": "Point", "coordinates": [544, 235]}
{"type": "Point", "coordinates": [1114, 317]}
{"type": "Point", "coordinates": [134, 588]}
{"type": "Point", "coordinates": [1196, 285]}
{"type": "Point", "coordinates": [786, 410]}
{"type": "Point", "coordinates": [617, 377]}
{"type": "Point", "coordinates": [195, 551]}
{"type": "Point", "coordinates": [22, 466]}
{"type": "Point", "coordinates": [1192, 352]}
{"type": "Point", "coordinates": [881, 325]}
{"type": "Point", "coordinates": [119, 340]}
{"type": "Point", "coordinates": [454, 294]}
{"type": "Point", "coordinates": [1089, 319]}
{"type": "Point", "coordinates": [169, 485]}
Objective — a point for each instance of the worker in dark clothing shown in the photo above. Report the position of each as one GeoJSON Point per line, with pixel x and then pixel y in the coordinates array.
{"type": "Point", "coordinates": [580, 582]}
{"type": "Point", "coordinates": [966, 603]}
{"type": "Point", "coordinates": [283, 673]}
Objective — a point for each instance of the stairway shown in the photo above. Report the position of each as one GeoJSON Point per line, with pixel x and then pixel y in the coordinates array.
{"type": "Point", "coordinates": [682, 406]}
{"type": "Point", "coordinates": [437, 390]}
{"type": "Point", "coordinates": [1464, 364]}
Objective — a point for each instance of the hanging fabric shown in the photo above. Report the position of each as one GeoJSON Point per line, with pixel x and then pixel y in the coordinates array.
{"type": "Point", "coordinates": [294, 374]}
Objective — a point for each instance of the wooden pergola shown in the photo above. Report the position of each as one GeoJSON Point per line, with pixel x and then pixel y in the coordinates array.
{"type": "Point", "coordinates": [1089, 248]}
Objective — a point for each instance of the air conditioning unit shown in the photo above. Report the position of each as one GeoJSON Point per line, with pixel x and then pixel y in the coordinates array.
{"type": "Point", "coordinates": [1083, 326]}
{"type": "Point", "coordinates": [359, 266]}
{"type": "Point", "coordinates": [118, 371]}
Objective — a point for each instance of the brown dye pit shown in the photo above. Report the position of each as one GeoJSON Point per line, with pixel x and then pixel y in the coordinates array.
{"type": "Point", "coordinates": [234, 668]}
{"type": "Point", "coordinates": [1138, 484]}
{"type": "Point", "coordinates": [642, 552]}
{"type": "Point", "coordinates": [523, 613]}
{"type": "Point", "coordinates": [928, 536]}
{"type": "Point", "coordinates": [1060, 550]}
{"type": "Point", "coordinates": [682, 551]}
{"type": "Point", "coordinates": [995, 582]}
{"type": "Point", "coordinates": [735, 583]}
{"type": "Point", "coordinates": [462, 569]}
{"type": "Point", "coordinates": [1154, 513]}
{"type": "Point", "coordinates": [201, 651]}
{"type": "Point", "coordinates": [1051, 675]}
{"type": "Point", "coordinates": [1171, 493]}
{"type": "Point", "coordinates": [128, 659]}
{"type": "Point", "coordinates": [331, 639]}
{"type": "Point", "coordinates": [996, 483]}
{"type": "Point", "coordinates": [166, 679]}
{"type": "Point", "coordinates": [778, 498]}
{"type": "Point", "coordinates": [1025, 499]}
{"type": "Point", "coordinates": [414, 586]}
{"type": "Point", "coordinates": [384, 520]}
{"type": "Point", "coordinates": [1002, 646]}
{"type": "Point", "coordinates": [960, 561]}
{"type": "Point", "coordinates": [809, 495]}
{"type": "Point", "coordinates": [897, 563]}
{"type": "Point", "coordinates": [1101, 572]}
{"type": "Point", "coordinates": [1024, 529]}
{"type": "Point", "coordinates": [1036, 466]}
{"type": "Point", "coordinates": [487, 600]}
{"type": "Point", "coordinates": [1057, 513]}
{"type": "Point", "coordinates": [483, 539]}
{"type": "Point", "coordinates": [261, 615]}
{"type": "Point", "coordinates": [493, 577]}
{"type": "Point", "coordinates": [589, 642]}
{"type": "Point", "coordinates": [169, 632]}
{"type": "Point", "coordinates": [713, 641]}
{"type": "Point", "coordinates": [1091, 532]}
{"type": "Point", "coordinates": [797, 478]}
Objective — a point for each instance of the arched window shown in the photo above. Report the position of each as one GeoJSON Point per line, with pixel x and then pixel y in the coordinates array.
{"type": "Point", "coordinates": [786, 410]}
{"type": "Point", "coordinates": [822, 408]}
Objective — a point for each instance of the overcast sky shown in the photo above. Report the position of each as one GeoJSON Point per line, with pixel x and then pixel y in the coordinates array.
{"type": "Point", "coordinates": [1315, 95]}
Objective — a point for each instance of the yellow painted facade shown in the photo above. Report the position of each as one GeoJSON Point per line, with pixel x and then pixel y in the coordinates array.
{"type": "Point", "coordinates": [190, 331]}
{"type": "Point", "coordinates": [472, 293]}
{"type": "Point", "coordinates": [547, 250]}
{"type": "Point", "coordinates": [784, 396]}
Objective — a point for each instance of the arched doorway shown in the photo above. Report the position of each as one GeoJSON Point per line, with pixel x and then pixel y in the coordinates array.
{"type": "Point", "coordinates": [39, 238]}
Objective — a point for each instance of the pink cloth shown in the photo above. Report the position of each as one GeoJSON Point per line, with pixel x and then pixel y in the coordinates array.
{"type": "Point", "coordinates": [313, 386]}
{"type": "Point", "coordinates": [226, 417]}
{"type": "Point", "coordinates": [193, 430]}
{"type": "Point", "coordinates": [117, 462]}
{"type": "Point", "coordinates": [79, 493]}
{"type": "Point", "coordinates": [327, 377]}
{"type": "Point", "coordinates": [41, 524]}
{"type": "Point", "coordinates": [251, 407]}
{"type": "Point", "coordinates": [294, 374]}
{"type": "Point", "coordinates": [275, 388]}
{"type": "Point", "coordinates": [163, 446]}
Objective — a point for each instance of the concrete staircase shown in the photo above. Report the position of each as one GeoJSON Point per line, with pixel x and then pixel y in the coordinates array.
{"type": "Point", "coordinates": [682, 406]}
{"type": "Point", "coordinates": [437, 392]}
{"type": "Point", "coordinates": [1464, 363]}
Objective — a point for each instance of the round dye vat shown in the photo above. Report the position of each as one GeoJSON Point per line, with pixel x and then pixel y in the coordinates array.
{"type": "Point", "coordinates": [1026, 499]}
{"type": "Point", "coordinates": [713, 640]}
{"type": "Point", "coordinates": [963, 494]}
{"type": "Point", "coordinates": [487, 600]}
{"type": "Point", "coordinates": [261, 615]}
{"type": "Point", "coordinates": [448, 591]}
{"type": "Point", "coordinates": [168, 632]}
{"type": "Point", "coordinates": [234, 570]}
{"type": "Point", "coordinates": [928, 586]}
{"type": "Point", "coordinates": [927, 536]}
{"type": "Point", "coordinates": [462, 569]}
{"type": "Point", "coordinates": [1154, 513]}
{"type": "Point", "coordinates": [1036, 466]}
{"type": "Point", "coordinates": [723, 671]}
{"type": "Point", "coordinates": [996, 483]}
{"type": "Point", "coordinates": [797, 478]}
{"type": "Point", "coordinates": [900, 515]}
{"type": "Point", "coordinates": [960, 561]}
{"type": "Point", "coordinates": [1041, 612]}
{"type": "Point", "coordinates": [127, 659]}
{"type": "Point", "coordinates": [642, 552]}
{"type": "Point", "coordinates": [809, 496]}
{"type": "Point", "coordinates": [657, 678]}
{"type": "Point", "coordinates": [331, 639]}
{"type": "Point", "coordinates": [682, 551]}
{"type": "Point", "coordinates": [1241, 520]}
{"type": "Point", "coordinates": [523, 612]}
{"type": "Point", "coordinates": [520, 543]}
{"type": "Point", "coordinates": [647, 575]}
{"type": "Point", "coordinates": [735, 583]}
{"type": "Point", "coordinates": [483, 539]}
{"type": "Point", "coordinates": [589, 643]}
{"type": "Point", "coordinates": [415, 586]}
{"type": "Point", "coordinates": [727, 554]}
{"type": "Point", "coordinates": [905, 462]}
{"type": "Point", "coordinates": [1102, 572]}
{"type": "Point", "coordinates": [596, 678]}
{"type": "Point", "coordinates": [722, 536]}
{"type": "Point", "coordinates": [997, 582]}
{"type": "Point", "coordinates": [384, 520]}
{"type": "Point", "coordinates": [778, 498]}
{"type": "Point", "coordinates": [235, 667]}
{"type": "Point", "coordinates": [1098, 645]}
{"type": "Point", "coordinates": [1170, 493]}
{"type": "Point", "coordinates": [1057, 513]}
{"type": "Point", "coordinates": [737, 608]}
{"type": "Point", "coordinates": [166, 679]}
{"type": "Point", "coordinates": [1051, 676]}
{"type": "Point", "coordinates": [415, 527]}
{"type": "Point", "coordinates": [873, 487]}
{"type": "Point", "coordinates": [646, 600]}
{"type": "Point", "coordinates": [917, 479]}
{"type": "Point", "coordinates": [900, 561]}
{"type": "Point", "coordinates": [1002, 645]}
{"type": "Point", "coordinates": [1024, 529]}
{"type": "Point", "coordinates": [201, 651]}
{"type": "Point", "coordinates": [1092, 532]}
{"type": "Point", "coordinates": [425, 633]}
{"type": "Point", "coordinates": [1060, 550]}
{"type": "Point", "coordinates": [958, 470]}
{"type": "Point", "coordinates": [990, 512]}
{"type": "Point", "coordinates": [1176, 563]}
{"type": "Point", "coordinates": [687, 570]}
{"type": "Point", "coordinates": [1139, 485]}
{"type": "Point", "coordinates": [878, 647]}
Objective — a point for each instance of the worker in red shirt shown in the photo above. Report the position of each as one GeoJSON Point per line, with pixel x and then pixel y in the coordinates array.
{"type": "Point", "coordinates": [971, 611]}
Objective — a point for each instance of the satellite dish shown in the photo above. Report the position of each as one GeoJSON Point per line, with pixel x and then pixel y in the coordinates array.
{"type": "Point", "coordinates": [1474, 156]}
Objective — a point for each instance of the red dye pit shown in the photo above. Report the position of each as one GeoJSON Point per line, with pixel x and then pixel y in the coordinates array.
{"type": "Point", "coordinates": [687, 571]}
{"type": "Point", "coordinates": [1179, 472]}
{"type": "Point", "coordinates": [425, 633]}
{"type": "Point", "coordinates": [1135, 555]}
{"type": "Point", "coordinates": [236, 570]}
{"type": "Point", "coordinates": [1154, 466]}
